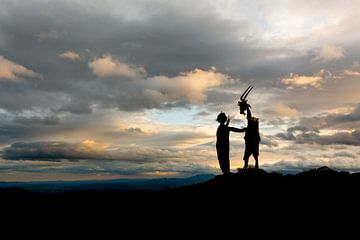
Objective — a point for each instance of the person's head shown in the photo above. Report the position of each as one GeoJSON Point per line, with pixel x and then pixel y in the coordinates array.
{"type": "Point", "coordinates": [221, 118]}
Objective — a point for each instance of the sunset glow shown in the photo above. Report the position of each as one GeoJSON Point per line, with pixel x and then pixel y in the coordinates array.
{"type": "Point", "coordinates": [131, 89]}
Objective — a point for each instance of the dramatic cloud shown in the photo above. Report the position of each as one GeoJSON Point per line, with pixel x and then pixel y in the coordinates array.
{"type": "Point", "coordinates": [85, 150]}
{"type": "Point", "coordinates": [85, 170]}
{"type": "Point", "coordinates": [70, 55]}
{"type": "Point", "coordinates": [329, 53]}
{"type": "Point", "coordinates": [191, 85]}
{"type": "Point", "coordinates": [90, 150]}
{"type": "Point", "coordinates": [346, 138]}
{"type": "Point", "coordinates": [13, 71]}
{"type": "Point", "coordinates": [159, 91]}
{"type": "Point", "coordinates": [107, 66]}
{"type": "Point", "coordinates": [326, 129]}
{"type": "Point", "coordinates": [314, 137]}
{"type": "Point", "coordinates": [53, 151]}
{"type": "Point", "coordinates": [147, 81]}
{"type": "Point", "coordinates": [345, 119]}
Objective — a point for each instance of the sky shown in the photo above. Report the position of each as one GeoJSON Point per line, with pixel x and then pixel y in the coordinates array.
{"type": "Point", "coordinates": [107, 89]}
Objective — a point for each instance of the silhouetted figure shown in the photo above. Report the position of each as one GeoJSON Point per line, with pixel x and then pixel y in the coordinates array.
{"type": "Point", "coordinates": [252, 136]}
{"type": "Point", "coordinates": [222, 141]}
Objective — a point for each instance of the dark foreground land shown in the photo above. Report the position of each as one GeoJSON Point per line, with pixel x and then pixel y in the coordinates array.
{"type": "Point", "coordinates": [319, 200]}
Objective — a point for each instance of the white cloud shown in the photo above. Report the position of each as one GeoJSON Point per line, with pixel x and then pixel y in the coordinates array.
{"type": "Point", "coordinates": [191, 85]}
{"type": "Point", "coordinates": [108, 66]}
{"type": "Point", "coordinates": [70, 55]}
{"type": "Point", "coordinates": [295, 80]}
{"type": "Point", "coordinates": [329, 53]}
{"type": "Point", "coordinates": [351, 73]}
{"type": "Point", "coordinates": [13, 71]}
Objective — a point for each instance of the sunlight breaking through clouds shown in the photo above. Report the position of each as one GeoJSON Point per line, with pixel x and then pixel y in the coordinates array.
{"type": "Point", "coordinates": [107, 66]}
{"type": "Point", "coordinates": [70, 55]}
{"type": "Point", "coordinates": [12, 71]}
{"type": "Point", "coordinates": [296, 80]}
{"type": "Point", "coordinates": [128, 88]}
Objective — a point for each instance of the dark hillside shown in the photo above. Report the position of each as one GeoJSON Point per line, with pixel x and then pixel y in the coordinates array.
{"type": "Point", "coordinates": [318, 199]}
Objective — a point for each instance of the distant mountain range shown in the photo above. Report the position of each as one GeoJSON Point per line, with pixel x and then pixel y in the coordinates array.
{"type": "Point", "coordinates": [158, 184]}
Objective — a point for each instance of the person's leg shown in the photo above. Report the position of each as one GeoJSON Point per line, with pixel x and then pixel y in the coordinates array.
{"type": "Point", "coordinates": [256, 155]}
{"type": "Point", "coordinates": [246, 160]}
{"type": "Point", "coordinates": [256, 162]}
{"type": "Point", "coordinates": [227, 161]}
{"type": "Point", "coordinates": [226, 167]}
{"type": "Point", "coordinates": [220, 156]}
{"type": "Point", "coordinates": [247, 155]}
{"type": "Point", "coordinates": [221, 163]}
{"type": "Point", "coordinates": [223, 157]}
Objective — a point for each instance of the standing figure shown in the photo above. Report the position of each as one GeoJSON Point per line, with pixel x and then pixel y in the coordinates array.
{"type": "Point", "coordinates": [222, 141]}
{"type": "Point", "coordinates": [252, 136]}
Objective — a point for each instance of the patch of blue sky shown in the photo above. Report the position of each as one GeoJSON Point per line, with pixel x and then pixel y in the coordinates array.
{"type": "Point", "coordinates": [176, 116]}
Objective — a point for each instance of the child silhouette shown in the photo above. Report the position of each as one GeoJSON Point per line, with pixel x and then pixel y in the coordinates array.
{"type": "Point", "coordinates": [222, 141]}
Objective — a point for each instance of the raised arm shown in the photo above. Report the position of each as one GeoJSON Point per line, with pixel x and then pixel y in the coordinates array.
{"type": "Point", "coordinates": [248, 112]}
{"type": "Point", "coordinates": [234, 129]}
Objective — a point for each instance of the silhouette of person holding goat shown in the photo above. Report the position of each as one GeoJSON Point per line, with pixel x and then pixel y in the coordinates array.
{"type": "Point", "coordinates": [252, 135]}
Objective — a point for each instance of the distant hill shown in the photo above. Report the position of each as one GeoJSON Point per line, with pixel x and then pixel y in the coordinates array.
{"type": "Point", "coordinates": [108, 185]}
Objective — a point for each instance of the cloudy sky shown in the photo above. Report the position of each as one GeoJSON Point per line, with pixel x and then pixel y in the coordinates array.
{"type": "Point", "coordinates": [94, 89]}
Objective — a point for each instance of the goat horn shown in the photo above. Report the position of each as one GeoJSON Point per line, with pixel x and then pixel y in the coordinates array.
{"type": "Point", "coordinates": [246, 92]}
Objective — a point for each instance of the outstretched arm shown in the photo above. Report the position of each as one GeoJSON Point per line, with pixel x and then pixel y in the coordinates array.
{"type": "Point", "coordinates": [234, 129]}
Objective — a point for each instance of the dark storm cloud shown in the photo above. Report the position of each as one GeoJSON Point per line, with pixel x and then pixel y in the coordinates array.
{"type": "Point", "coordinates": [330, 120]}
{"type": "Point", "coordinates": [57, 151]}
{"type": "Point", "coordinates": [79, 168]}
{"type": "Point", "coordinates": [45, 151]}
{"type": "Point", "coordinates": [164, 38]}
{"type": "Point", "coordinates": [309, 128]}
{"type": "Point", "coordinates": [342, 155]}
{"type": "Point", "coordinates": [314, 137]}
{"type": "Point", "coordinates": [47, 120]}
{"type": "Point", "coordinates": [346, 138]}
{"type": "Point", "coordinates": [269, 141]}
{"type": "Point", "coordinates": [16, 126]}
{"type": "Point", "coordinates": [90, 150]}
{"type": "Point", "coordinates": [88, 157]}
